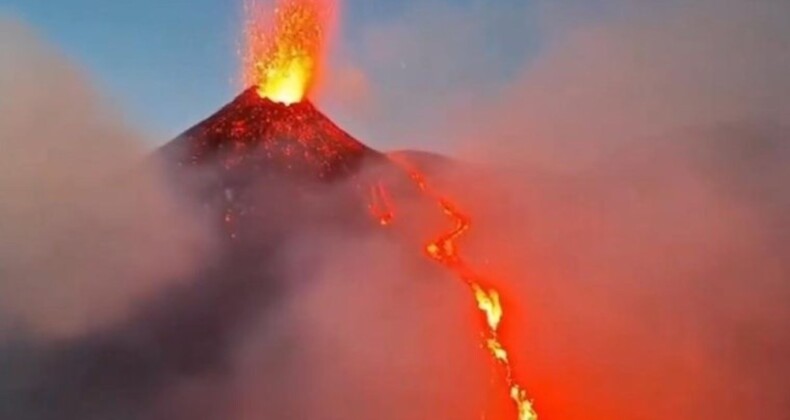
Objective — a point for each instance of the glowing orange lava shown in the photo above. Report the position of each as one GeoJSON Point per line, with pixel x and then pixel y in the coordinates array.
{"type": "Point", "coordinates": [282, 61]}
{"type": "Point", "coordinates": [444, 250]}
{"type": "Point", "coordinates": [380, 204]}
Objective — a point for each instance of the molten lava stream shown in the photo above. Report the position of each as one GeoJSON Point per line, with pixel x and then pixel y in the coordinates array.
{"type": "Point", "coordinates": [444, 250]}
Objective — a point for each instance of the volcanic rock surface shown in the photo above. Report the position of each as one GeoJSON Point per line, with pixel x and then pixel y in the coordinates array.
{"type": "Point", "coordinates": [254, 133]}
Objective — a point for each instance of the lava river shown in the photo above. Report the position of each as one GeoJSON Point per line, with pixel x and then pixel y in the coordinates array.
{"type": "Point", "coordinates": [444, 250]}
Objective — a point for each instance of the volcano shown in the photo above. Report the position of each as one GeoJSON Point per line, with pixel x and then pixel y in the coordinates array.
{"type": "Point", "coordinates": [270, 174]}
{"type": "Point", "coordinates": [254, 143]}
{"type": "Point", "coordinates": [260, 163]}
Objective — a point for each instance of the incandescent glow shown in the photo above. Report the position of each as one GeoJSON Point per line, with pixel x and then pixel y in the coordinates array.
{"type": "Point", "coordinates": [444, 250]}
{"type": "Point", "coordinates": [488, 303]}
{"type": "Point", "coordinates": [282, 60]}
{"type": "Point", "coordinates": [380, 204]}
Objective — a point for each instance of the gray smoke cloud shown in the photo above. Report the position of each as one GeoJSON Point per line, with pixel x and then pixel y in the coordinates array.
{"type": "Point", "coordinates": [89, 228]}
{"type": "Point", "coordinates": [373, 333]}
{"type": "Point", "coordinates": [637, 199]}
{"type": "Point", "coordinates": [641, 207]}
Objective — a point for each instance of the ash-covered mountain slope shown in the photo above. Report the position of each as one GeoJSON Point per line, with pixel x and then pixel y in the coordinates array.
{"type": "Point", "coordinates": [259, 173]}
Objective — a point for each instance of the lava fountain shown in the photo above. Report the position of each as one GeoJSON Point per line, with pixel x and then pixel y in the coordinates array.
{"type": "Point", "coordinates": [283, 52]}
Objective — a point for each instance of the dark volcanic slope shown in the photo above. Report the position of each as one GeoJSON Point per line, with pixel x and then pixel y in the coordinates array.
{"type": "Point", "coordinates": [256, 133]}
{"type": "Point", "coordinates": [257, 164]}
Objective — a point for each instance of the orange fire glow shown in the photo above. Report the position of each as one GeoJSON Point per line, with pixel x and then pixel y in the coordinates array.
{"type": "Point", "coordinates": [380, 204]}
{"type": "Point", "coordinates": [444, 250]}
{"type": "Point", "coordinates": [282, 60]}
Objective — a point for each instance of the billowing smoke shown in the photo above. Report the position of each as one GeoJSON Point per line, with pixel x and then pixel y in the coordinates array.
{"type": "Point", "coordinates": [649, 159]}
{"type": "Point", "coordinates": [88, 226]}
{"type": "Point", "coordinates": [375, 333]}
{"type": "Point", "coordinates": [91, 234]}
{"type": "Point", "coordinates": [639, 197]}
{"type": "Point", "coordinates": [641, 201]}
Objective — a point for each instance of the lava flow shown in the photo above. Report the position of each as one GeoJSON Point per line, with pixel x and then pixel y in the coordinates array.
{"type": "Point", "coordinates": [444, 250]}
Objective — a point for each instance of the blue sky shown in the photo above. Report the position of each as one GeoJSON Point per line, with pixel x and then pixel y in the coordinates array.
{"type": "Point", "coordinates": [167, 64]}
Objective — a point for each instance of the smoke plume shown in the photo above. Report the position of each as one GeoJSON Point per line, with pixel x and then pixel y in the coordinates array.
{"type": "Point", "coordinates": [637, 199]}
